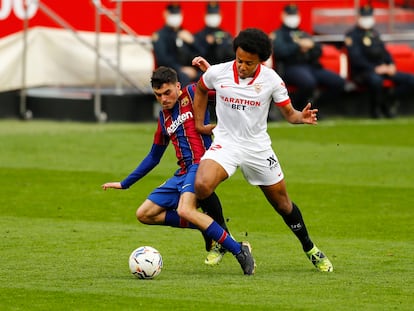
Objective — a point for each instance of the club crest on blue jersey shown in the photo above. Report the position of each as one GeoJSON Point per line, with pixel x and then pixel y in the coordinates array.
{"type": "Point", "coordinates": [184, 102]}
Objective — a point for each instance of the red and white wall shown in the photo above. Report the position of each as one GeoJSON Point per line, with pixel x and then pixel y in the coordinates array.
{"type": "Point", "coordinates": [145, 17]}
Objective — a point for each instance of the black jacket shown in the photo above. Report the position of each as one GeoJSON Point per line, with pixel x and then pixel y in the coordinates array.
{"type": "Point", "coordinates": [366, 50]}
{"type": "Point", "coordinates": [287, 52]}
{"type": "Point", "coordinates": [171, 51]}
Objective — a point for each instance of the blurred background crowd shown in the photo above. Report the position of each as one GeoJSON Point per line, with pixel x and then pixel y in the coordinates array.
{"type": "Point", "coordinates": [325, 51]}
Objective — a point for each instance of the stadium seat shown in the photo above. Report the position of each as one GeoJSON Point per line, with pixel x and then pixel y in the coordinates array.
{"type": "Point", "coordinates": [335, 60]}
{"type": "Point", "coordinates": [403, 55]}
{"type": "Point", "coordinates": [332, 59]}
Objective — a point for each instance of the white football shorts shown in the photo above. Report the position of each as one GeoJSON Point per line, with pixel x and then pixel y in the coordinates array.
{"type": "Point", "coordinates": [259, 168]}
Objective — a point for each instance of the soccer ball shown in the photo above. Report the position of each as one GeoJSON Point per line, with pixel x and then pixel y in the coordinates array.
{"type": "Point", "coordinates": [145, 262]}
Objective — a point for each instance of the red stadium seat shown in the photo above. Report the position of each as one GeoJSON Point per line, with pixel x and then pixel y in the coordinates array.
{"type": "Point", "coordinates": [331, 59]}
{"type": "Point", "coordinates": [403, 55]}
{"type": "Point", "coordinates": [335, 59]}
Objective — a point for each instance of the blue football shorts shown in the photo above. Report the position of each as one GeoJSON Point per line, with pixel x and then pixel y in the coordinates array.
{"type": "Point", "coordinates": [168, 194]}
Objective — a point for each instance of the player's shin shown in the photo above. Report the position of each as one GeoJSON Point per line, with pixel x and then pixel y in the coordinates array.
{"type": "Point", "coordinates": [172, 219]}
{"type": "Point", "coordinates": [295, 222]}
{"type": "Point", "coordinates": [212, 206]}
{"type": "Point", "coordinates": [218, 234]}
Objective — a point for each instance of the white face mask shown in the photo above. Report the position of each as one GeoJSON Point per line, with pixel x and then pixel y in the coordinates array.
{"type": "Point", "coordinates": [174, 20]}
{"type": "Point", "coordinates": [366, 22]}
{"type": "Point", "coordinates": [292, 21]}
{"type": "Point", "coordinates": [213, 20]}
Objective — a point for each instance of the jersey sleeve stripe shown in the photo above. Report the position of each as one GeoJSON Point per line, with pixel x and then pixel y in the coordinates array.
{"type": "Point", "coordinates": [204, 84]}
{"type": "Point", "coordinates": [283, 103]}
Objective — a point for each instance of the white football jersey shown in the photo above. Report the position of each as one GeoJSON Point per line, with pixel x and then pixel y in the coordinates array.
{"type": "Point", "coordinates": [242, 105]}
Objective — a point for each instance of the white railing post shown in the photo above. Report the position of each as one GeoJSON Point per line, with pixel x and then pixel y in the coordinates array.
{"type": "Point", "coordinates": [24, 113]}
{"type": "Point", "coordinates": [99, 114]}
{"type": "Point", "coordinates": [118, 46]}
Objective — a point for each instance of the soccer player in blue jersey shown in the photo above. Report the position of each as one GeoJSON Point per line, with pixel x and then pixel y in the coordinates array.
{"type": "Point", "coordinates": [176, 124]}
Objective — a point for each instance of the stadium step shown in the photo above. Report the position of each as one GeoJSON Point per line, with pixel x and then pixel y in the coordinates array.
{"type": "Point", "coordinates": [78, 104]}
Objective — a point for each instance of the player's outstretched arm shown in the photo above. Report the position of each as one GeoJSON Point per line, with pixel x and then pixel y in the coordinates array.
{"type": "Point", "coordinates": [306, 116]}
{"type": "Point", "coordinates": [114, 185]}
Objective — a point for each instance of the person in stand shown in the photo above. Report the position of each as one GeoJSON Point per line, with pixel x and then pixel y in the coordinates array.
{"type": "Point", "coordinates": [371, 64]}
{"type": "Point", "coordinates": [297, 61]}
{"type": "Point", "coordinates": [245, 88]}
{"type": "Point", "coordinates": [175, 47]}
{"type": "Point", "coordinates": [214, 43]}
{"type": "Point", "coordinates": [175, 124]}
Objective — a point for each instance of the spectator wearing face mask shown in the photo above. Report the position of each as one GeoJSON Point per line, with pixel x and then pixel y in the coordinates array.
{"type": "Point", "coordinates": [296, 60]}
{"type": "Point", "coordinates": [371, 63]}
{"type": "Point", "coordinates": [174, 46]}
{"type": "Point", "coordinates": [214, 43]}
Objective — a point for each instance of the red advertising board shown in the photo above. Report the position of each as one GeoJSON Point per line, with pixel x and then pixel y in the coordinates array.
{"type": "Point", "coordinates": [145, 17]}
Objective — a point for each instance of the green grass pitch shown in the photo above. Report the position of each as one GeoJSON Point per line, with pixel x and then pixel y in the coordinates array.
{"type": "Point", "coordinates": [65, 242]}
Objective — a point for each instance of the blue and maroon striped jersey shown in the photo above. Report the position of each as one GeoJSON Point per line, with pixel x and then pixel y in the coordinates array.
{"type": "Point", "coordinates": [178, 126]}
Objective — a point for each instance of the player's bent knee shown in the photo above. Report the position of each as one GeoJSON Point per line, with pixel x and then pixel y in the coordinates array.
{"type": "Point", "coordinates": [185, 213]}
{"type": "Point", "coordinates": [202, 190]}
{"type": "Point", "coordinates": [181, 212]}
{"type": "Point", "coordinates": [142, 217]}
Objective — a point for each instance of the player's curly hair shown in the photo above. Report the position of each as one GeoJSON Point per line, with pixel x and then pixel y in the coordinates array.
{"type": "Point", "coordinates": [163, 75]}
{"type": "Point", "coordinates": [254, 41]}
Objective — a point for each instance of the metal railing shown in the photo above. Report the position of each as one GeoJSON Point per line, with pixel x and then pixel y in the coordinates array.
{"type": "Point", "coordinates": [100, 11]}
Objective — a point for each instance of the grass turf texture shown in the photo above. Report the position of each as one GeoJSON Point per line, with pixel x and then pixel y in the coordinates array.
{"type": "Point", "coordinates": [65, 242]}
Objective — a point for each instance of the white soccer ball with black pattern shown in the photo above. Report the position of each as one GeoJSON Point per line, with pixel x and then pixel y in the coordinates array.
{"type": "Point", "coordinates": [145, 262]}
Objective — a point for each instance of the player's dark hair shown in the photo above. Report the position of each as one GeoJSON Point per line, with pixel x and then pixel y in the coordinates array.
{"type": "Point", "coordinates": [254, 41]}
{"type": "Point", "coordinates": [163, 75]}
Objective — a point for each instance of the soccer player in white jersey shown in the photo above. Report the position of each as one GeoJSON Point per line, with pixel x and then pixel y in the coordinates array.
{"type": "Point", "coordinates": [245, 89]}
